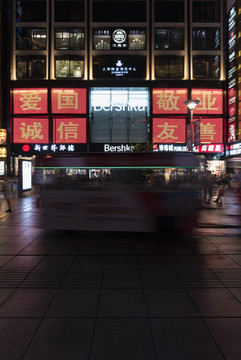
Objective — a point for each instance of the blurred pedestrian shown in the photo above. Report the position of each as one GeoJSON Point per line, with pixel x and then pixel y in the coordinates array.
{"type": "Point", "coordinates": [7, 194]}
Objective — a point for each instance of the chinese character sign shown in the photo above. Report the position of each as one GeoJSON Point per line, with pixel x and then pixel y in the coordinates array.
{"type": "Point", "coordinates": [31, 131]}
{"type": "Point", "coordinates": [211, 131]}
{"type": "Point", "coordinates": [69, 101]}
{"type": "Point", "coordinates": [169, 101]}
{"type": "Point", "coordinates": [30, 101]}
{"type": "Point", "coordinates": [167, 130]}
{"type": "Point", "coordinates": [232, 132]}
{"type": "Point", "coordinates": [70, 130]}
{"type": "Point", "coordinates": [211, 101]}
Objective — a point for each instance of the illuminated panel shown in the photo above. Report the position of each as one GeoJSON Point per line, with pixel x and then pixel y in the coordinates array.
{"type": "Point", "coordinates": [31, 130]}
{"type": "Point", "coordinates": [69, 101]}
{"type": "Point", "coordinates": [213, 148]}
{"type": "Point", "coordinates": [232, 131]}
{"type": "Point", "coordinates": [211, 101]}
{"type": "Point", "coordinates": [69, 130]}
{"type": "Point", "coordinates": [169, 101]}
{"type": "Point", "coordinates": [211, 131]}
{"type": "Point", "coordinates": [168, 131]}
{"type": "Point", "coordinates": [30, 101]}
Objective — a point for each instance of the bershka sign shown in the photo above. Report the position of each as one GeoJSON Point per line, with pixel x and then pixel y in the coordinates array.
{"type": "Point", "coordinates": [119, 107]}
{"type": "Point", "coordinates": [118, 148]}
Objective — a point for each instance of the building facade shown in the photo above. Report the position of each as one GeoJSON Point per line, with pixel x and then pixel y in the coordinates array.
{"type": "Point", "coordinates": [106, 75]}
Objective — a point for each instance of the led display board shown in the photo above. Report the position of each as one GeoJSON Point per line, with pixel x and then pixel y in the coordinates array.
{"type": "Point", "coordinates": [69, 130]}
{"type": "Point", "coordinates": [213, 148]}
{"type": "Point", "coordinates": [31, 130]}
{"type": "Point", "coordinates": [169, 130]}
{"type": "Point", "coordinates": [211, 101]}
{"type": "Point", "coordinates": [30, 101]}
{"type": "Point", "coordinates": [211, 131]}
{"type": "Point", "coordinates": [169, 101]}
{"type": "Point", "coordinates": [69, 101]}
{"type": "Point", "coordinates": [26, 175]}
{"type": "Point", "coordinates": [232, 131]}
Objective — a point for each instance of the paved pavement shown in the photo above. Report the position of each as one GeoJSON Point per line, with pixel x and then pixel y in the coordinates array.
{"type": "Point", "coordinates": [110, 296]}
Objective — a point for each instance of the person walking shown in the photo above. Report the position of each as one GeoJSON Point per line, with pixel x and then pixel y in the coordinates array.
{"type": "Point", "coordinates": [6, 192]}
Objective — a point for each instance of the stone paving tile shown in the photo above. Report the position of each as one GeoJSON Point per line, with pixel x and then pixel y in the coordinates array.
{"type": "Point", "coordinates": [61, 339]}
{"type": "Point", "coordinates": [184, 339]}
{"type": "Point", "coordinates": [229, 277]}
{"type": "Point", "coordinates": [227, 334]}
{"type": "Point", "coordinates": [219, 261]}
{"type": "Point", "coordinates": [122, 339]}
{"type": "Point", "coordinates": [15, 336]}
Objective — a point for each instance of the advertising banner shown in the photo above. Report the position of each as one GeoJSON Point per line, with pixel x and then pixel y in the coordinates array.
{"type": "Point", "coordinates": [232, 131]}
{"type": "Point", "coordinates": [69, 101]}
{"type": "Point", "coordinates": [211, 101]}
{"type": "Point", "coordinates": [69, 130]}
{"type": "Point", "coordinates": [169, 101]}
{"type": "Point", "coordinates": [167, 130]}
{"type": "Point", "coordinates": [30, 101]}
{"type": "Point", "coordinates": [31, 130]}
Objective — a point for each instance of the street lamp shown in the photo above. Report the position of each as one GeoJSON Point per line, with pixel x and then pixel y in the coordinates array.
{"type": "Point", "coordinates": [191, 104]}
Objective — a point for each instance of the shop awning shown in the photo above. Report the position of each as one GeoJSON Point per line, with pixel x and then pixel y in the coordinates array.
{"type": "Point", "coordinates": [119, 160]}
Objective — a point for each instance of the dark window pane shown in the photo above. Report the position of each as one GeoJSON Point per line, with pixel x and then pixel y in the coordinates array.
{"type": "Point", "coordinates": [71, 10]}
{"type": "Point", "coordinates": [169, 39]}
{"type": "Point", "coordinates": [31, 67]}
{"type": "Point", "coordinates": [119, 10]}
{"type": "Point", "coordinates": [206, 11]}
{"type": "Point", "coordinates": [30, 10]}
{"type": "Point", "coordinates": [169, 11]}
{"type": "Point", "coordinates": [69, 39]}
{"type": "Point", "coordinates": [206, 38]}
{"type": "Point", "coordinates": [30, 39]}
{"type": "Point", "coordinates": [69, 67]}
{"type": "Point", "coordinates": [169, 66]}
{"type": "Point", "coordinates": [205, 66]}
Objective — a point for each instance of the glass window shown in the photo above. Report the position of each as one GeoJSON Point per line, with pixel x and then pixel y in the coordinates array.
{"type": "Point", "coordinates": [102, 39]}
{"type": "Point", "coordinates": [206, 66]}
{"type": "Point", "coordinates": [68, 10]}
{"type": "Point", "coordinates": [31, 67]}
{"type": "Point", "coordinates": [30, 39]}
{"type": "Point", "coordinates": [69, 67]}
{"type": "Point", "coordinates": [169, 39]}
{"type": "Point", "coordinates": [169, 11]}
{"type": "Point", "coordinates": [119, 11]}
{"type": "Point", "coordinates": [30, 10]}
{"type": "Point", "coordinates": [206, 38]}
{"type": "Point", "coordinates": [169, 66]}
{"type": "Point", "coordinates": [69, 39]}
{"type": "Point", "coordinates": [137, 39]}
{"type": "Point", "coordinates": [119, 115]}
{"type": "Point", "coordinates": [206, 11]}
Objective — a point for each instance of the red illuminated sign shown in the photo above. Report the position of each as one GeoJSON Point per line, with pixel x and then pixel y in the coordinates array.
{"type": "Point", "coordinates": [30, 101]}
{"type": "Point", "coordinates": [169, 101]}
{"type": "Point", "coordinates": [26, 148]}
{"type": "Point", "coordinates": [168, 131]}
{"type": "Point", "coordinates": [211, 131]}
{"type": "Point", "coordinates": [70, 130]}
{"type": "Point", "coordinates": [69, 101]}
{"type": "Point", "coordinates": [211, 101]}
{"type": "Point", "coordinates": [213, 148]}
{"type": "Point", "coordinates": [232, 132]}
{"type": "Point", "coordinates": [3, 136]}
{"type": "Point", "coordinates": [32, 131]}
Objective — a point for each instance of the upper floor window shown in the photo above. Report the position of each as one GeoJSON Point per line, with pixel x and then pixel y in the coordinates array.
{"type": "Point", "coordinates": [31, 67]}
{"type": "Point", "coordinates": [31, 10]}
{"type": "Point", "coordinates": [119, 38]}
{"type": "Point", "coordinates": [206, 11]}
{"type": "Point", "coordinates": [69, 66]}
{"type": "Point", "coordinates": [206, 66]}
{"type": "Point", "coordinates": [30, 39]}
{"type": "Point", "coordinates": [171, 66]}
{"type": "Point", "coordinates": [169, 39]}
{"type": "Point", "coordinates": [119, 10]}
{"type": "Point", "coordinates": [69, 10]}
{"type": "Point", "coordinates": [206, 38]}
{"type": "Point", "coordinates": [169, 10]}
{"type": "Point", "coordinates": [69, 39]}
